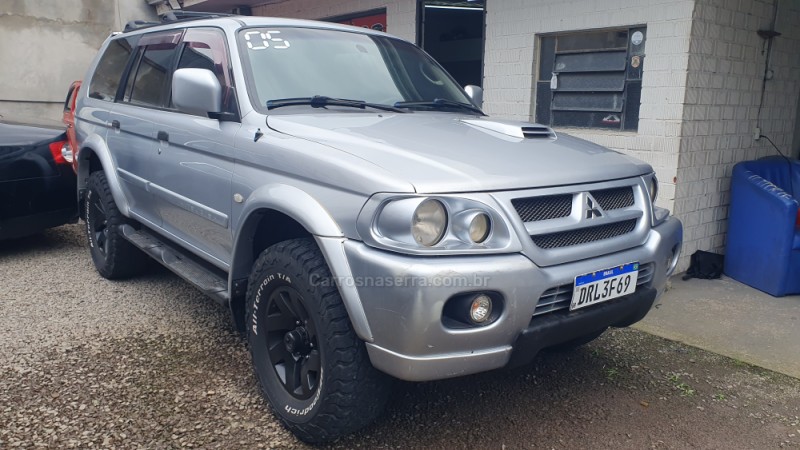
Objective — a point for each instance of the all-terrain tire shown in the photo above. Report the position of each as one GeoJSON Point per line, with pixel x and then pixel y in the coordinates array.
{"type": "Point", "coordinates": [113, 256]}
{"type": "Point", "coordinates": [296, 322]}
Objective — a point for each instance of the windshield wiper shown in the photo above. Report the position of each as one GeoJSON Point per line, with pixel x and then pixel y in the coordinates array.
{"type": "Point", "coordinates": [440, 103]}
{"type": "Point", "coordinates": [320, 101]}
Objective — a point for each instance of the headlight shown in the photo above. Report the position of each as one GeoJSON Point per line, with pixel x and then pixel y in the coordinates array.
{"type": "Point", "coordinates": [479, 228]}
{"type": "Point", "coordinates": [653, 188]}
{"type": "Point", "coordinates": [429, 222]}
{"type": "Point", "coordinates": [436, 225]}
{"type": "Point", "coordinates": [659, 215]}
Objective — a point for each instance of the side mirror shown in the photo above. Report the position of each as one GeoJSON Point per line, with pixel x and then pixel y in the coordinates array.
{"type": "Point", "coordinates": [196, 91]}
{"type": "Point", "coordinates": [476, 94]}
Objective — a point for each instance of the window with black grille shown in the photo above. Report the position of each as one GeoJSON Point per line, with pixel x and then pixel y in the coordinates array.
{"type": "Point", "coordinates": [591, 79]}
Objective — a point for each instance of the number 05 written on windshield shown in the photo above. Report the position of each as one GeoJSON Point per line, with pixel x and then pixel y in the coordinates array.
{"type": "Point", "coordinates": [262, 40]}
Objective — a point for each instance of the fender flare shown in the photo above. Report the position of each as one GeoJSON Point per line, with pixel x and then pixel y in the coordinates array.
{"type": "Point", "coordinates": [311, 215]}
{"type": "Point", "coordinates": [97, 146]}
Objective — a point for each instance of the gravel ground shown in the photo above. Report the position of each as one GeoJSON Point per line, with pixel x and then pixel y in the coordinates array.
{"type": "Point", "coordinates": [151, 363]}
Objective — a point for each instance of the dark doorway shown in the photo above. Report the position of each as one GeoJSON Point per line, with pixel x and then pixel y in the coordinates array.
{"type": "Point", "coordinates": [453, 33]}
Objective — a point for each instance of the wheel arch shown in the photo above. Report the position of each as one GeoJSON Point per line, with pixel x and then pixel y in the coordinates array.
{"type": "Point", "coordinates": [92, 156]}
{"type": "Point", "coordinates": [275, 213]}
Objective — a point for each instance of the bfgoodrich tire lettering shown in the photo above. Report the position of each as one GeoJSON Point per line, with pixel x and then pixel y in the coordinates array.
{"type": "Point", "coordinates": [113, 256]}
{"type": "Point", "coordinates": [299, 330]}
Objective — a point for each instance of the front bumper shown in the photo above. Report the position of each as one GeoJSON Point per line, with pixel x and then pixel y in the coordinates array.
{"type": "Point", "coordinates": [403, 298]}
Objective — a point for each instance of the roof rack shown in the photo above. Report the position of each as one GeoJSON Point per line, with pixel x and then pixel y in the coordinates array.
{"type": "Point", "coordinates": [180, 15]}
{"type": "Point", "coordinates": [173, 17]}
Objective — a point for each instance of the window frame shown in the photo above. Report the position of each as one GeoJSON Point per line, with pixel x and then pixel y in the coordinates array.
{"type": "Point", "coordinates": [545, 109]}
{"type": "Point", "coordinates": [233, 111]}
{"type": "Point", "coordinates": [135, 61]}
{"type": "Point", "coordinates": [132, 73]}
{"type": "Point", "coordinates": [133, 41]}
{"type": "Point", "coordinates": [69, 103]}
{"type": "Point", "coordinates": [247, 67]}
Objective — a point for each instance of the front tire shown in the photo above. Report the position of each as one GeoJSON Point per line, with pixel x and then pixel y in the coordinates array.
{"type": "Point", "coordinates": [312, 368]}
{"type": "Point", "coordinates": [113, 256]}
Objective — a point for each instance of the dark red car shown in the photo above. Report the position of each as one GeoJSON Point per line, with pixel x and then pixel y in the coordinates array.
{"type": "Point", "coordinates": [69, 120]}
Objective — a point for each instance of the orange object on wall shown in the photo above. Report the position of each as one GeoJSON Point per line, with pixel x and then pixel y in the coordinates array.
{"type": "Point", "coordinates": [375, 21]}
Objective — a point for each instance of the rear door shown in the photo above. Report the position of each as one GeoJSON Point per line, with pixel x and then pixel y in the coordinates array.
{"type": "Point", "coordinates": [193, 164]}
{"type": "Point", "coordinates": [132, 138]}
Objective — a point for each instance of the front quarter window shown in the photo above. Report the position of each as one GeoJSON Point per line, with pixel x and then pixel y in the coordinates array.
{"type": "Point", "coordinates": [286, 63]}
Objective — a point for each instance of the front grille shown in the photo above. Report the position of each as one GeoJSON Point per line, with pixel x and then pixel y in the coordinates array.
{"type": "Point", "coordinates": [583, 235]}
{"type": "Point", "coordinates": [614, 198]}
{"type": "Point", "coordinates": [533, 209]}
{"type": "Point", "coordinates": [559, 297]}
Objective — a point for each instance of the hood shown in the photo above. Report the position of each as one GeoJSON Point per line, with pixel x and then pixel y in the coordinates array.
{"type": "Point", "coordinates": [441, 152]}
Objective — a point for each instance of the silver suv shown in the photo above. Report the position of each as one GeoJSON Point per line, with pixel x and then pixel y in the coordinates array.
{"type": "Point", "coordinates": [355, 209]}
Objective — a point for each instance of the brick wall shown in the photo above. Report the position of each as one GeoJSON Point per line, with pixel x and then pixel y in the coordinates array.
{"type": "Point", "coordinates": [724, 83]}
{"type": "Point", "coordinates": [701, 85]}
{"type": "Point", "coordinates": [701, 89]}
{"type": "Point", "coordinates": [401, 15]}
{"type": "Point", "coordinates": [511, 68]}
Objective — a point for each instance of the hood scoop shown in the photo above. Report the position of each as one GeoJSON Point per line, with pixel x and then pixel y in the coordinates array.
{"type": "Point", "coordinates": [514, 129]}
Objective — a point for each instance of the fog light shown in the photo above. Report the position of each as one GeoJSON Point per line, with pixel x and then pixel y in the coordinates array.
{"type": "Point", "coordinates": [481, 309]}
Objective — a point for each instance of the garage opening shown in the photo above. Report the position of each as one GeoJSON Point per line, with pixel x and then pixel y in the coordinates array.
{"type": "Point", "coordinates": [453, 33]}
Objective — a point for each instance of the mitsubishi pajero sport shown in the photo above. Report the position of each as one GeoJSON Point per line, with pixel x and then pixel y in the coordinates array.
{"type": "Point", "coordinates": [355, 209]}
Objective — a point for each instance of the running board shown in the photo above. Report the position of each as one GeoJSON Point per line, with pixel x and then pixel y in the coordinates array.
{"type": "Point", "coordinates": [177, 261]}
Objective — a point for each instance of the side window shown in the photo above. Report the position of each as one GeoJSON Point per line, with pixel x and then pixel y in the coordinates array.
{"type": "Point", "coordinates": [70, 98]}
{"type": "Point", "coordinates": [106, 78]}
{"type": "Point", "coordinates": [205, 48]}
{"type": "Point", "coordinates": [149, 83]}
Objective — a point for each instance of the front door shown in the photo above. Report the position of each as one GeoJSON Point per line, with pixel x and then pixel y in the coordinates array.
{"type": "Point", "coordinates": [193, 163]}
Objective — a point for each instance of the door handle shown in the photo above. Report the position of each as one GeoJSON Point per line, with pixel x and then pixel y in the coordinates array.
{"type": "Point", "coordinates": [115, 124]}
{"type": "Point", "coordinates": [163, 136]}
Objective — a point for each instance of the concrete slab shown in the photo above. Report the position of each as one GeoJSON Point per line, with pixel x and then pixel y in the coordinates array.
{"type": "Point", "coordinates": [732, 319]}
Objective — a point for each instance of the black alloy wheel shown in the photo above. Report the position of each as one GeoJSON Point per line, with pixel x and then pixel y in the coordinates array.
{"type": "Point", "coordinates": [112, 255]}
{"type": "Point", "coordinates": [311, 365]}
{"type": "Point", "coordinates": [292, 343]}
{"type": "Point", "coordinates": [97, 221]}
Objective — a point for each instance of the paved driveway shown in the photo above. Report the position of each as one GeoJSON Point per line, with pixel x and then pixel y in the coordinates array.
{"type": "Point", "coordinates": [732, 319]}
{"type": "Point", "coordinates": [150, 363]}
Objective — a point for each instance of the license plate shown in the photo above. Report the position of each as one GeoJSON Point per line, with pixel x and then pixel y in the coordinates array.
{"type": "Point", "coordinates": [603, 285]}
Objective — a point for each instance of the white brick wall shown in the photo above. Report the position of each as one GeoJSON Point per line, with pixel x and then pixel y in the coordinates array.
{"type": "Point", "coordinates": [723, 91]}
{"type": "Point", "coordinates": [401, 15]}
{"type": "Point", "coordinates": [700, 90]}
{"type": "Point", "coordinates": [701, 84]}
{"type": "Point", "coordinates": [511, 67]}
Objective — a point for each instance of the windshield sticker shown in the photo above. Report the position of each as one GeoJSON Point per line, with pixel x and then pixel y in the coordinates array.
{"type": "Point", "coordinates": [262, 40]}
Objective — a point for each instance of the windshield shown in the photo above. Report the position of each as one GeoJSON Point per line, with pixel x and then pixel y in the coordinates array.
{"type": "Point", "coordinates": [291, 63]}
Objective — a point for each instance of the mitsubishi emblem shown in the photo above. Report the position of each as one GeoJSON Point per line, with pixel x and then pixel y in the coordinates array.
{"type": "Point", "coordinates": [592, 211]}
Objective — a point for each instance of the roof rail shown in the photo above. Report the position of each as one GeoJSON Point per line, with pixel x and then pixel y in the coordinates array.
{"type": "Point", "coordinates": [173, 17]}
{"type": "Point", "coordinates": [180, 15]}
{"type": "Point", "coordinates": [138, 24]}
